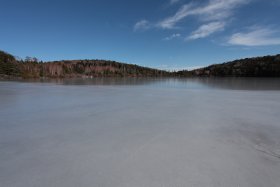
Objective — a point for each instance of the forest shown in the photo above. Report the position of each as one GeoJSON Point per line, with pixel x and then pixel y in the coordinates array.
{"type": "Point", "coordinates": [11, 67]}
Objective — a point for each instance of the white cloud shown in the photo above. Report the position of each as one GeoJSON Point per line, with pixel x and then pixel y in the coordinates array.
{"type": "Point", "coordinates": [256, 37]}
{"type": "Point", "coordinates": [142, 25]}
{"type": "Point", "coordinates": [206, 30]}
{"type": "Point", "coordinates": [173, 36]}
{"type": "Point", "coordinates": [214, 15]}
{"type": "Point", "coordinates": [170, 22]}
{"type": "Point", "coordinates": [214, 10]}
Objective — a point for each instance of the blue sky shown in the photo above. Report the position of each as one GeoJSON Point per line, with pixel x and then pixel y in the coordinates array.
{"type": "Point", "coordinates": [167, 34]}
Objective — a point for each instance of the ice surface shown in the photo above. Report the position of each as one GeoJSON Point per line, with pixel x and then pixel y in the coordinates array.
{"type": "Point", "coordinates": [140, 133]}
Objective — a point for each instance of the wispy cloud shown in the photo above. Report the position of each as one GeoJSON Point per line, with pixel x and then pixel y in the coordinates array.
{"type": "Point", "coordinates": [174, 1]}
{"type": "Point", "coordinates": [142, 25]}
{"type": "Point", "coordinates": [214, 10]}
{"type": "Point", "coordinates": [256, 36]}
{"type": "Point", "coordinates": [213, 15]}
{"type": "Point", "coordinates": [206, 30]}
{"type": "Point", "coordinates": [170, 22]}
{"type": "Point", "coordinates": [173, 36]}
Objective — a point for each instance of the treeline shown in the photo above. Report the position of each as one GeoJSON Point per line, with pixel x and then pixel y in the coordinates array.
{"type": "Point", "coordinates": [32, 68]}
{"type": "Point", "coordinates": [267, 66]}
{"type": "Point", "coordinates": [8, 65]}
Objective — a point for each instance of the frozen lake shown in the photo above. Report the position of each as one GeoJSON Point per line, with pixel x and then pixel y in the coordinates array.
{"type": "Point", "coordinates": [140, 133]}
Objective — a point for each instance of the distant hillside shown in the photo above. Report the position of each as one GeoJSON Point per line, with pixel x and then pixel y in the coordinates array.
{"type": "Point", "coordinates": [267, 66]}
{"type": "Point", "coordinates": [31, 68]}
